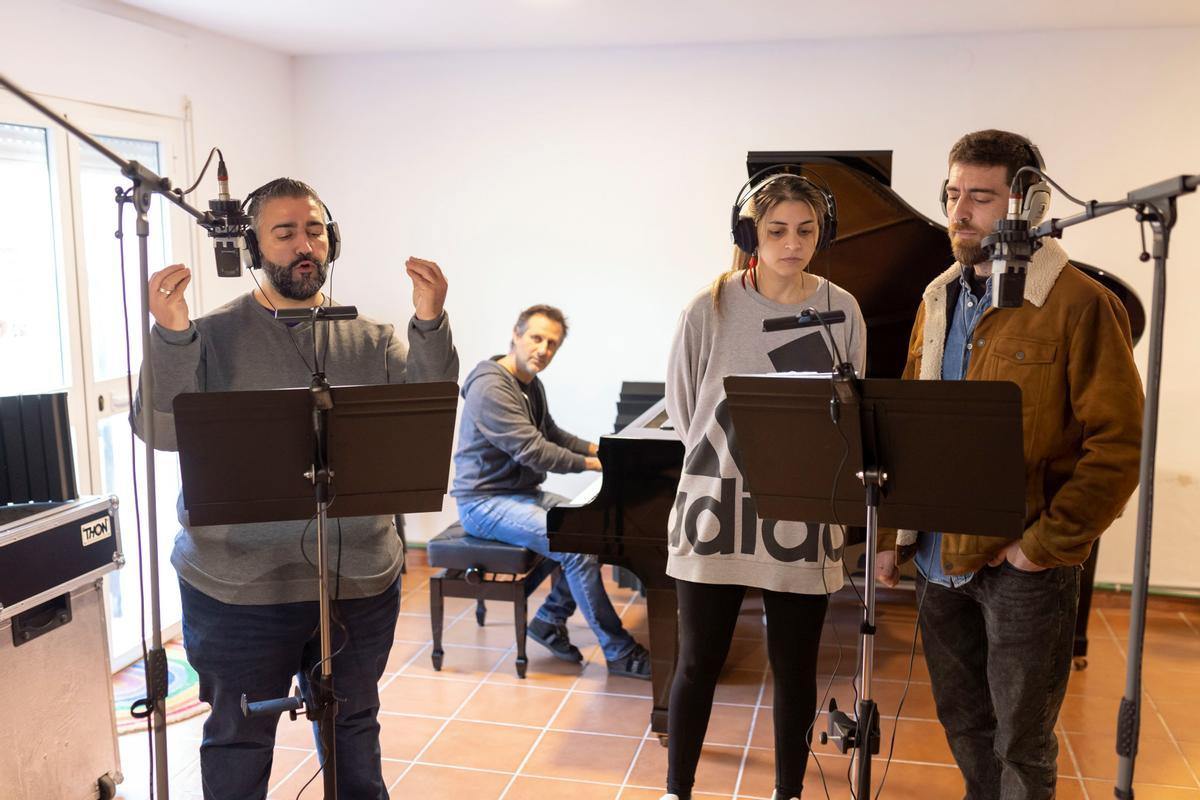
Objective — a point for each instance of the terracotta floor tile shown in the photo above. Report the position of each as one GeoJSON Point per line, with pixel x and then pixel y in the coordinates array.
{"type": "Point", "coordinates": [435, 697]}
{"type": "Point", "coordinates": [294, 734]}
{"type": "Point", "coordinates": [595, 678]}
{"type": "Point", "coordinates": [480, 745]}
{"type": "Point", "coordinates": [418, 603]}
{"type": "Point", "coordinates": [402, 737]}
{"type": "Point", "coordinates": [1069, 789]}
{"type": "Point", "coordinates": [290, 769]}
{"type": "Point", "coordinates": [605, 713]}
{"type": "Point", "coordinates": [916, 780]}
{"type": "Point", "coordinates": [1083, 714]}
{"type": "Point", "coordinates": [1157, 760]}
{"type": "Point", "coordinates": [716, 773]}
{"type": "Point", "coordinates": [543, 670]}
{"type": "Point", "coordinates": [582, 756]}
{"type": "Point", "coordinates": [413, 628]}
{"type": "Point", "coordinates": [1182, 718]}
{"type": "Point", "coordinates": [729, 725]}
{"type": "Point", "coordinates": [446, 783]}
{"type": "Point", "coordinates": [460, 661]}
{"type": "Point", "coordinates": [516, 705]}
{"type": "Point", "coordinates": [1192, 752]}
{"type": "Point", "coordinates": [404, 652]}
{"type": "Point", "coordinates": [498, 632]}
{"type": "Point", "coordinates": [525, 788]}
{"type": "Point", "coordinates": [739, 686]}
{"type": "Point", "coordinates": [1098, 790]}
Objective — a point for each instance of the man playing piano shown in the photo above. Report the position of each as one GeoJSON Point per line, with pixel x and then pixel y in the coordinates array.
{"type": "Point", "coordinates": [997, 617]}
{"type": "Point", "coordinates": [507, 443]}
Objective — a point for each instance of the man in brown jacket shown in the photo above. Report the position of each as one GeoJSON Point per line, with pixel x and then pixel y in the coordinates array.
{"type": "Point", "coordinates": [997, 617]}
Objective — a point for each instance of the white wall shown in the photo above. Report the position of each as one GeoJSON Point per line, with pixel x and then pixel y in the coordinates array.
{"type": "Point", "coordinates": [601, 181]}
{"type": "Point", "coordinates": [104, 53]}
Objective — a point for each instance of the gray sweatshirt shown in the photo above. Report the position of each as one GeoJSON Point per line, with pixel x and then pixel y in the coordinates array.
{"type": "Point", "coordinates": [714, 536]}
{"type": "Point", "coordinates": [507, 440]}
{"type": "Point", "coordinates": [241, 347]}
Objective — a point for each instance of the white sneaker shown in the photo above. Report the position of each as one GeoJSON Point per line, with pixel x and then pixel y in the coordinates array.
{"type": "Point", "coordinates": [775, 796]}
{"type": "Point", "coordinates": [669, 797]}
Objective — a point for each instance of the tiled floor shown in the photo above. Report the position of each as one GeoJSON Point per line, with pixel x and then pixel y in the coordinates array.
{"type": "Point", "coordinates": [475, 731]}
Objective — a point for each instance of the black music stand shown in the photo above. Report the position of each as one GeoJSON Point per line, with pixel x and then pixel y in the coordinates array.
{"type": "Point", "coordinates": [266, 456]}
{"type": "Point", "coordinates": [931, 455]}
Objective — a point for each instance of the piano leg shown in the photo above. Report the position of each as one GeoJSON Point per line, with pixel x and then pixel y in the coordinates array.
{"type": "Point", "coordinates": [662, 609]}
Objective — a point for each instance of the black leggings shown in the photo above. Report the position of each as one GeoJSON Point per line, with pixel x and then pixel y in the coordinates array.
{"type": "Point", "coordinates": [707, 616]}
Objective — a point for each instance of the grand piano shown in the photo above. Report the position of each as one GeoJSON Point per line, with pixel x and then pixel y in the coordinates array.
{"type": "Point", "coordinates": [885, 254]}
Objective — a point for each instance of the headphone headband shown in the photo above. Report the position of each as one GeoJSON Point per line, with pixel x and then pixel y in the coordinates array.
{"type": "Point", "coordinates": [743, 230]}
{"type": "Point", "coordinates": [1035, 196]}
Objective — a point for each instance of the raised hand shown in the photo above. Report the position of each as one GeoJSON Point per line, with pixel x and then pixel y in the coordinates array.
{"type": "Point", "coordinates": [168, 303]}
{"type": "Point", "coordinates": [429, 287]}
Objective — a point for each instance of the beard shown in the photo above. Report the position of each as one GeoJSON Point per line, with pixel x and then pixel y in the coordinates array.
{"type": "Point", "coordinates": [301, 287]}
{"type": "Point", "coordinates": [968, 253]}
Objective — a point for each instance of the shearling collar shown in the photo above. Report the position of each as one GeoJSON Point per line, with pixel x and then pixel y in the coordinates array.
{"type": "Point", "coordinates": [1044, 268]}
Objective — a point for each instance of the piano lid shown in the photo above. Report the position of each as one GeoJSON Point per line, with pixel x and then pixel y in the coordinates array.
{"type": "Point", "coordinates": [887, 252]}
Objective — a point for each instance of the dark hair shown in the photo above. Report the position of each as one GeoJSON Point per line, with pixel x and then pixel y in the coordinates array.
{"type": "Point", "coordinates": [280, 187]}
{"type": "Point", "coordinates": [994, 148]}
{"type": "Point", "coordinates": [781, 189]}
{"type": "Point", "coordinates": [549, 312]}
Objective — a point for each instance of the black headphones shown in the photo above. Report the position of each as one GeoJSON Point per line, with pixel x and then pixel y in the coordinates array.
{"type": "Point", "coordinates": [743, 230]}
{"type": "Point", "coordinates": [1037, 194]}
{"type": "Point", "coordinates": [252, 256]}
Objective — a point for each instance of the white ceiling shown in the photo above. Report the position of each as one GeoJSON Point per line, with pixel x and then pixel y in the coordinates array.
{"type": "Point", "coordinates": [310, 27]}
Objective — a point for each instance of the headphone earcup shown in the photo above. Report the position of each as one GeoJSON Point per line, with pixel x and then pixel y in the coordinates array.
{"type": "Point", "coordinates": [334, 235]}
{"type": "Point", "coordinates": [251, 257]}
{"type": "Point", "coordinates": [829, 229]}
{"type": "Point", "coordinates": [1036, 202]}
{"type": "Point", "coordinates": [945, 199]}
{"type": "Point", "coordinates": [745, 236]}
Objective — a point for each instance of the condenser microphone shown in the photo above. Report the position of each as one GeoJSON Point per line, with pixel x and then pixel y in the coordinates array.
{"type": "Point", "coordinates": [230, 224]}
{"type": "Point", "coordinates": [1010, 247]}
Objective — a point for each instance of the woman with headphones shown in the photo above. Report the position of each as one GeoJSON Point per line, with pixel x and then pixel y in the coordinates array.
{"type": "Point", "coordinates": [718, 546]}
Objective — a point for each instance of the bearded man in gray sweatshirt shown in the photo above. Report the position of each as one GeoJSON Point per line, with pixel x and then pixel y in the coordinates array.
{"type": "Point", "coordinates": [507, 443]}
{"type": "Point", "coordinates": [249, 592]}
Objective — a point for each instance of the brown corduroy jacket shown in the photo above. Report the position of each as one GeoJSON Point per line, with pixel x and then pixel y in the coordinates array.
{"type": "Point", "coordinates": [1069, 349]}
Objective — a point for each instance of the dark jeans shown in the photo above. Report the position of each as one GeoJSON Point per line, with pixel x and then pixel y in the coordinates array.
{"type": "Point", "coordinates": [257, 650]}
{"type": "Point", "coordinates": [707, 616]}
{"type": "Point", "coordinates": [999, 655]}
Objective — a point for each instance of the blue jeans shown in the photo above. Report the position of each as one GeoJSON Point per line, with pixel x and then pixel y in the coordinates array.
{"type": "Point", "coordinates": [999, 655]}
{"type": "Point", "coordinates": [257, 650]}
{"type": "Point", "coordinates": [521, 520]}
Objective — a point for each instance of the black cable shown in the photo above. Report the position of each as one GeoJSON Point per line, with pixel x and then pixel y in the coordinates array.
{"type": "Point", "coordinates": [1014, 188]}
{"type": "Point", "coordinates": [912, 655]}
{"type": "Point", "coordinates": [193, 187]}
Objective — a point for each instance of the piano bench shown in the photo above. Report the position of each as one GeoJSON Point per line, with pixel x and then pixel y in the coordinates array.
{"type": "Point", "coordinates": [479, 569]}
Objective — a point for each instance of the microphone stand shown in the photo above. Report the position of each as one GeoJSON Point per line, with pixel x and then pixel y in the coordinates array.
{"type": "Point", "coordinates": [145, 184]}
{"type": "Point", "coordinates": [1156, 205]}
{"type": "Point", "coordinates": [324, 708]}
{"type": "Point", "coordinates": [862, 732]}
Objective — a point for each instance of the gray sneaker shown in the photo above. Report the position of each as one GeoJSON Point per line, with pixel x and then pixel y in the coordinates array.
{"type": "Point", "coordinates": [554, 638]}
{"type": "Point", "coordinates": [634, 664]}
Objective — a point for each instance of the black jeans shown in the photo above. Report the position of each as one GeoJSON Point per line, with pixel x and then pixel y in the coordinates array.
{"type": "Point", "coordinates": [999, 655]}
{"type": "Point", "coordinates": [707, 616]}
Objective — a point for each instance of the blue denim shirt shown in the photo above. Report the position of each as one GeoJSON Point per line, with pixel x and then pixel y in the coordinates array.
{"type": "Point", "coordinates": [967, 312]}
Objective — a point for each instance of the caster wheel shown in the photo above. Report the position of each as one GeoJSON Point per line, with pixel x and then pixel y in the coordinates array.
{"type": "Point", "coordinates": [1079, 663]}
{"type": "Point", "coordinates": [662, 739]}
{"type": "Point", "coordinates": [107, 786]}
